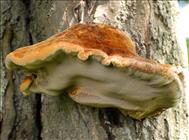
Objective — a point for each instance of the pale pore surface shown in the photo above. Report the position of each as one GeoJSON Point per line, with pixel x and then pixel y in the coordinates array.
{"type": "Point", "coordinates": [94, 84]}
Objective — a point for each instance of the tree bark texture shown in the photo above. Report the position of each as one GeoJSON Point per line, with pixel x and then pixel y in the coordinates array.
{"type": "Point", "coordinates": [41, 117]}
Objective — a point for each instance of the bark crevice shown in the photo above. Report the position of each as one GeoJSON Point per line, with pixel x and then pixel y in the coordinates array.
{"type": "Point", "coordinates": [38, 116]}
{"type": "Point", "coordinates": [38, 104]}
{"type": "Point", "coordinates": [109, 118]}
{"type": "Point", "coordinates": [9, 114]}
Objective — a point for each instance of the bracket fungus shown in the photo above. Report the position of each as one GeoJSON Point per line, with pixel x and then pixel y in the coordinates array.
{"type": "Point", "coordinates": [97, 65]}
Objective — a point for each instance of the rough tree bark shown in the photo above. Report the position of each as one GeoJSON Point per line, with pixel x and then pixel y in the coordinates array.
{"type": "Point", "coordinates": [40, 117]}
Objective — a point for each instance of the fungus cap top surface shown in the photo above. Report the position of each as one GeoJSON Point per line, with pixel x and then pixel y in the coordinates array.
{"type": "Point", "coordinates": [88, 39]}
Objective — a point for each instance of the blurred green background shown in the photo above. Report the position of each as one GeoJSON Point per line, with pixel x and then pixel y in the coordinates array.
{"type": "Point", "coordinates": [183, 32]}
{"type": "Point", "coordinates": [187, 42]}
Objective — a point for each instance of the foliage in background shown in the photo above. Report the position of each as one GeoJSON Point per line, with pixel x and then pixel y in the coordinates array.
{"type": "Point", "coordinates": [187, 43]}
{"type": "Point", "coordinates": [184, 0]}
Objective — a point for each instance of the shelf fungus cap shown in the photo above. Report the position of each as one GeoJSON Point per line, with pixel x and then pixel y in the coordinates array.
{"type": "Point", "coordinates": [97, 65]}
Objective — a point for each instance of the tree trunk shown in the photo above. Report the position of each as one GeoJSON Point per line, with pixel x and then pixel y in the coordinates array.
{"type": "Point", "coordinates": [41, 117]}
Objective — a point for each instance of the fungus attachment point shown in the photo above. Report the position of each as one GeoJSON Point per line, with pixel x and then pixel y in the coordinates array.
{"type": "Point", "coordinates": [98, 65]}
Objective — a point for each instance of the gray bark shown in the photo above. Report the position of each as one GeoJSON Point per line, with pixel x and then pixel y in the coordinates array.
{"type": "Point", "coordinates": [42, 117]}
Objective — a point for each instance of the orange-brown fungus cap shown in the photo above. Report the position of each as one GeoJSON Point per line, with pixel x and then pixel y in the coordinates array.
{"type": "Point", "coordinates": [111, 44]}
{"type": "Point", "coordinates": [86, 39]}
